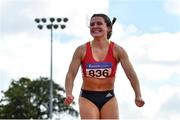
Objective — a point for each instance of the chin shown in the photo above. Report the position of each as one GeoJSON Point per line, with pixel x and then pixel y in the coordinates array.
{"type": "Point", "coordinates": [97, 36]}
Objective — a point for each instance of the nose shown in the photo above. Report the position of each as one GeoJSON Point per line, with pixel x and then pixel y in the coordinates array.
{"type": "Point", "coordinates": [95, 25]}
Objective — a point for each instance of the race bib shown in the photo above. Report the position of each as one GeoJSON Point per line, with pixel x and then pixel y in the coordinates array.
{"type": "Point", "coordinates": [99, 69]}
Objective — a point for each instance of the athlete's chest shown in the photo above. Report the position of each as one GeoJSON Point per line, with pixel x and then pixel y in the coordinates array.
{"type": "Point", "coordinates": [99, 54]}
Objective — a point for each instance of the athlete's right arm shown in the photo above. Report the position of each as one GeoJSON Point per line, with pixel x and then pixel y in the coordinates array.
{"type": "Point", "coordinates": [71, 74]}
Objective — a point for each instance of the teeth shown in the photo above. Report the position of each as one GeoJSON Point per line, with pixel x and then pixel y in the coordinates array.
{"type": "Point", "coordinates": [96, 31]}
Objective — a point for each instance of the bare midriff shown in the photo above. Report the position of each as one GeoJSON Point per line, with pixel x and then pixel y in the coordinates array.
{"type": "Point", "coordinates": [98, 84]}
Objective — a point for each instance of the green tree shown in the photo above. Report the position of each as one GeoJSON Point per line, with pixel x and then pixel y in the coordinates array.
{"type": "Point", "coordinates": [27, 99]}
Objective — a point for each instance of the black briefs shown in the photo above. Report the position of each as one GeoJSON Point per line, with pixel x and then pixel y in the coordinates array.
{"type": "Point", "coordinates": [99, 98]}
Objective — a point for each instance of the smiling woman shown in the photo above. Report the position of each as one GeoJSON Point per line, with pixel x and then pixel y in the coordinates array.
{"type": "Point", "coordinates": [99, 59]}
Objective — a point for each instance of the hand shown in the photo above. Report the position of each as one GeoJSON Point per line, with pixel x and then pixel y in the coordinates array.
{"type": "Point", "coordinates": [139, 101]}
{"type": "Point", "coordinates": [69, 99]}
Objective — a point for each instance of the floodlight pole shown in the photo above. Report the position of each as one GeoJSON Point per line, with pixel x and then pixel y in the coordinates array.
{"type": "Point", "coordinates": [51, 76]}
{"type": "Point", "coordinates": [51, 26]}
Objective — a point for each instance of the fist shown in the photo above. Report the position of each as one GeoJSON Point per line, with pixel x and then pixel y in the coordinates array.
{"type": "Point", "coordinates": [69, 99]}
{"type": "Point", "coordinates": [139, 101]}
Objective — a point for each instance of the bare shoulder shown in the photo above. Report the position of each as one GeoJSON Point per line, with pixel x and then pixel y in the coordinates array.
{"type": "Point", "coordinates": [118, 48]}
{"type": "Point", "coordinates": [81, 47]}
{"type": "Point", "coordinates": [119, 52]}
{"type": "Point", "coordinates": [80, 51]}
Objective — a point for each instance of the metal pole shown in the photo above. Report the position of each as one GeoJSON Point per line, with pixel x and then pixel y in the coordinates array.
{"type": "Point", "coordinates": [51, 75]}
{"type": "Point", "coordinates": [51, 26]}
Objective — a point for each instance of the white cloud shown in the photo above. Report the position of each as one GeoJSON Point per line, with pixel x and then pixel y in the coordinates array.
{"type": "Point", "coordinates": [20, 14]}
{"type": "Point", "coordinates": [156, 54]}
{"type": "Point", "coordinates": [161, 103]}
{"type": "Point", "coordinates": [132, 28]}
{"type": "Point", "coordinates": [172, 7]}
{"type": "Point", "coordinates": [23, 55]}
{"type": "Point", "coordinates": [169, 105]}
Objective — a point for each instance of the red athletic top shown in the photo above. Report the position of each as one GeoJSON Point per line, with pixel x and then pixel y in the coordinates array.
{"type": "Point", "coordinates": [99, 69]}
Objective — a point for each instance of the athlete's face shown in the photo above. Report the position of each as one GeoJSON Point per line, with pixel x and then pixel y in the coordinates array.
{"type": "Point", "coordinates": [98, 27]}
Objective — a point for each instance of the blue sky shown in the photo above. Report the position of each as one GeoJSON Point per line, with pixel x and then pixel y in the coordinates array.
{"type": "Point", "coordinates": [149, 30]}
{"type": "Point", "coordinates": [148, 15]}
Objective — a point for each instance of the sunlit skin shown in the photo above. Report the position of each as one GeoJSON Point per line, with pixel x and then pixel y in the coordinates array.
{"type": "Point", "coordinates": [99, 46]}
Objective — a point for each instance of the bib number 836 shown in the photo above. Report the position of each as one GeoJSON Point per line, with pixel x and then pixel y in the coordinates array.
{"type": "Point", "coordinates": [98, 73]}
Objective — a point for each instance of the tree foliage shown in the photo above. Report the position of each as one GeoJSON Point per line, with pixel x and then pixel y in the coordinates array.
{"type": "Point", "coordinates": [27, 99]}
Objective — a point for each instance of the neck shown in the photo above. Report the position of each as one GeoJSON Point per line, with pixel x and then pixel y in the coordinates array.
{"type": "Point", "coordinates": [102, 43]}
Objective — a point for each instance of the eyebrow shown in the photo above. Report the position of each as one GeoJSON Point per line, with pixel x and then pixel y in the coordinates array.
{"type": "Point", "coordinates": [97, 22]}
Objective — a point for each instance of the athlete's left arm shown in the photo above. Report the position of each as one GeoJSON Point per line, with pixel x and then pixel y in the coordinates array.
{"type": "Point", "coordinates": [130, 73]}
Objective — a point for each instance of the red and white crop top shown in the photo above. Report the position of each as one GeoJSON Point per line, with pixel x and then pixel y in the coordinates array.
{"type": "Point", "coordinates": [99, 69]}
